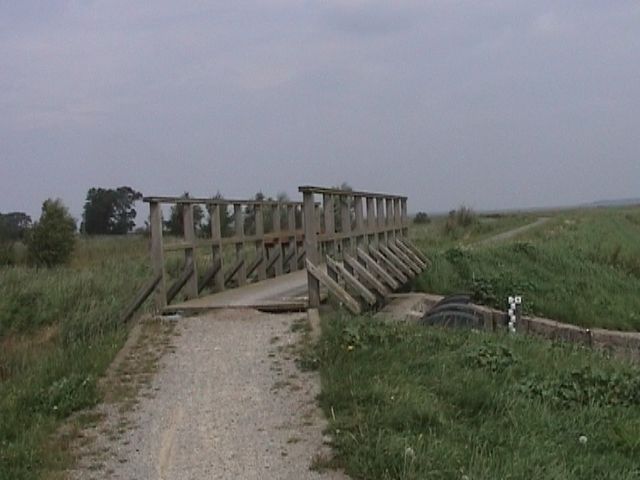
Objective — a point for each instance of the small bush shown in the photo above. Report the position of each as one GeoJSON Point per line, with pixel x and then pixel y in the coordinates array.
{"type": "Point", "coordinates": [52, 239]}
{"type": "Point", "coordinates": [421, 218]}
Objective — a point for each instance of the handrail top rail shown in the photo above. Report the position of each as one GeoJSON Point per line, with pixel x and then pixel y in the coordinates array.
{"type": "Point", "coordinates": [347, 193]}
{"type": "Point", "coordinates": [218, 201]}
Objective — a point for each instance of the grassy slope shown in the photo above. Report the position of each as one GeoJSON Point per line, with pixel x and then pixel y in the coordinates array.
{"type": "Point", "coordinates": [58, 334]}
{"type": "Point", "coordinates": [582, 267]}
{"type": "Point", "coordinates": [409, 402]}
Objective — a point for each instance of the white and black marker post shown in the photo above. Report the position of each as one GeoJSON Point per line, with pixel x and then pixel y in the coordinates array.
{"type": "Point", "coordinates": [515, 311]}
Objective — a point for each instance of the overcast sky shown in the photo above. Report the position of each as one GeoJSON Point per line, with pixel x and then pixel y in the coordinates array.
{"type": "Point", "coordinates": [492, 104]}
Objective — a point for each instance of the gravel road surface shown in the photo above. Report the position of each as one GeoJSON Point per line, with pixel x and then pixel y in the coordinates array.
{"type": "Point", "coordinates": [227, 402]}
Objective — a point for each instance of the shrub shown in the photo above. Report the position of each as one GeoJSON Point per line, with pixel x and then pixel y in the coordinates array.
{"type": "Point", "coordinates": [52, 239]}
{"type": "Point", "coordinates": [421, 218]}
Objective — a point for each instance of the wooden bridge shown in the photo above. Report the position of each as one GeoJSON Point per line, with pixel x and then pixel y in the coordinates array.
{"type": "Point", "coordinates": [269, 255]}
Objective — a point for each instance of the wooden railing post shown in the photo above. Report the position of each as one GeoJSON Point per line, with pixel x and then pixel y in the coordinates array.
{"type": "Point", "coordinates": [398, 217]}
{"type": "Point", "coordinates": [157, 254]}
{"type": "Point", "coordinates": [240, 257]}
{"type": "Point", "coordinates": [390, 213]}
{"type": "Point", "coordinates": [360, 233]}
{"type": "Point", "coordinates": [382, 236]}
{"type": "Point", "coordinates": [260, 250]}
{"type": "Point", "coordinates": [311, 246]}
{"type": "Point", "coordinates": [216, 212]}
{"type": "Point", "coordinates": [189, 251]}
{"type": "Point", "coordinates": [293, 244]}
{"type": "Point", "coordinates": [345, 220]}
{"type": "Point", "coordinates": [404, 218]}
{"type": "Point", "coordinates": [277, 246]}
{"type": "Point", "coordinates": [329, 223]}
{"type": "Point", "coordinates": [371, 221]}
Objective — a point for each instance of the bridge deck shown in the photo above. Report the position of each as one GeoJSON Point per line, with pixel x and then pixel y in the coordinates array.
{"type": "Point", "coordinates": [287, 292]}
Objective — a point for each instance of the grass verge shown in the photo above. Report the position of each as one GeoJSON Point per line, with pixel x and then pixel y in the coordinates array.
{"type": "Point", "coordinates": [409, 402]}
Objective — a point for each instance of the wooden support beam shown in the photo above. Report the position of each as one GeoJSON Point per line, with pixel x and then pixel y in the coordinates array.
{"type": "Point", "coordinates": [186, 274]}
{"type": "Point", "coordinates": [231, 273]}
{"type": "Point", "coordinates": [416, 251]}
{"type": "Point", "coordinates": [291, 255]}
{"type": "Point", "coordinates": [311, 247]}
{"type": "Point", "coordinates": [275, 256]}
{"type": "Point", "coordinates": [293, 236]}
{"type": "Point", "coordinates": [239, 224]}
{"type": "Point", "coordinates": [352, 282]}
{"type": "Point", "coordinates": [397, 262]}
{"type": "Point", "coordinates": [260, 249]}
{"type": "Point", "coordinates": [257, 262]}
{"type": "Point", "coordinates": [277, 229]}
{"type": "Point", "coordinates": [157, 254]}
{"type": "Point", "coordinates": [334, 288]}
{"type": "Point", "coordinates": [377, 269]}
{"type": "Point", "coordinates": [216, 212]}
{"type": "Point", "coordinates": [365, 275]}
{"type": "Point", "coordinates": [388, 265]}
{"type": "Point", "coordinates": [382, 236]}
{"type": "Point", "coordinates": [360, 231]}
{"type": "Point", "coordinates": [189, 253]}
{"type": "Point", "coordinates": [407, 251]}
{"type": "Point", "coordinates": [404, 257]}
{"type": "Point", "coordinates": [209, 274]}
{"type": "Point", "coordinates": [142, 294]}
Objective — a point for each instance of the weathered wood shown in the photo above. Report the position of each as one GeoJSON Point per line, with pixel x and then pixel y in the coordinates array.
{"type": "Point", "coordinates": [257, 262]}
{"type": "Point", "coordinates": [345, 221]}
{"type": "Point", "coordinates": [397, 262]}
{"type": "Point", "coordinates": [382, 233]}
{"type": "Point", "coordinates": [416, 251]}
{"type": "Point", "coordinates": [390, 216]}
{"type": "Point", "coordinates": [404, 216]}
{"type": "Point", "coordinates": [405, 258]}
{"type": "Point", "coordinates": [410, 253]}
{"type": "Point", "coordinates": [144, 292]}
{"type": "Point", "coordinates": [352, 282]}
{"type": "Point", "coordinates": [184, 277]}
{"type": "Point", "coordinates": [273, 259]}
{"type": "Point", "coordinates": [329, 224]}
{"type": "Point", "coordinates": [240, 254]}
{"type": "Point", "coordinates": [337, 191]}
{"type": "Point", "coordinates": [333, 287]}
{"type": "Point", "coordinates": [300, 257]}
{"type": "Point", "coordinates": [311, 248]}
{"type": "Point", "coordinates": [292, 237]}
{"type": "Point", "coordinates": [377, 269]}
{"type": "Point", "coordinates": [360, 232]}
{"type": "Point", "coordinates": [291, 255]}
{"type": "Point", "coordinates": [371, 221]}
{"type": "Point", "coordinates": [210, 274]}
{"type": "Point", "coordinates": [387, 264]}
{"type": "Point", "coordinates": [235, 269]}
{"type": "Point", "coordinates": [157, 254]}
{"type": "Point", "coordinates": [277, 229]}
{"type": "Point", "coordinates": [215, 213]}
{"type": "Point", "coordinates": [189, 253]}
{"type": "Point", "coordinates": [214, 201]}
{"type": "Point", "coordinates": [260, 250]}
{"type": "Point", "coordinates": [365, 275]}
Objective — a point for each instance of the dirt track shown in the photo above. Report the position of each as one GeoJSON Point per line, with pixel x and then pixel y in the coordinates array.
{"type": "Point", "coordinates": [228, 402]}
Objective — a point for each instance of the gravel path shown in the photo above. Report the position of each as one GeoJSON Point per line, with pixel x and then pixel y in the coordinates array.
{"type": "Point", "coordinates": [228, 402]}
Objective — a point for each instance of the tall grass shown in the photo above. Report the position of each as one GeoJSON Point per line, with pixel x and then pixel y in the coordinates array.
{"type": "Point", "coordinates": [409, 402]}
{"type": "Point", "coordinates": [582, 267]}
{"type": "Point", "coordinates": [59, 330]}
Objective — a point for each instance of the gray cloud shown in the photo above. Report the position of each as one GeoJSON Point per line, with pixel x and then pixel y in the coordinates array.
{"type": "Point", "coordinates": [494, 104]}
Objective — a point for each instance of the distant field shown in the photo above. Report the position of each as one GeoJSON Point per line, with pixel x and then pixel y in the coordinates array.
{"type": "Point", "coordinates": [581, 267]}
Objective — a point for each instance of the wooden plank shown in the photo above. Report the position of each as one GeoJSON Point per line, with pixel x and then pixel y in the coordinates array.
{"type": "Point", "coordinates": [390, 216]}
{"type": "Point", "coordinates": [216, 247]}
{"type": "Point", "coordinates": [276, 254]}
{"type": "Point", "coordinates": [407, 251]}
{"type": "Point", "coordinates": [360, 232]}
{"type": "Point", "coordinates": [329, 224]}
{"type": "Point", "coordinates": [209, 275]}
{"type": "Point", "coordinates": [380, 224]}
{"type": "Point", "coordinates": [189, 253]}
{"type": "Point", "coordinates": [367, 276]}
{"type": "Point", "coordinates": [336, 191]}
{"type": "Point", "coordinates": [377, 269]}
{"type": "Point", "coordinates": [353, 282]}
{"type": "Point", "coordinates": [257, 262]}
{"type": "Point", "coordinates": [291, 254]}
{"type": "Point", "coordinates": [231, 273]}
{"type": "Point", "coordinates": [186, 274]}
{"type": "Point", "coordinates": [345, 223]}
{"type": "Point", "coordinates": [405, 258]}
{"type": "Point", "coordinates": [387, 264]}
{"type": "Point", "coordinates": [397, 262]}
{"type": "Point", "coordinates": [292, 237]}
{"type": "Point", "coordinates": [277, 228]}
{"type": "Point", "coordinates": [137, 301]}
{"type": "Point", "coordinates": [333, 287]}
{"type": "Point", "coordinates": [416, 251]}
{"type": "Point", "coordinates": [311, 247]}
{"type": "Point", "coordinates": [214, 201]}
{"type": "Point", "coordinates": [157, 254]}
{"type": "Point", "coordinates": [260, 250]}
{"type": "Point", "coordinates": [240, 254]}
{"type": "Point", "coordinates": [371, 220]}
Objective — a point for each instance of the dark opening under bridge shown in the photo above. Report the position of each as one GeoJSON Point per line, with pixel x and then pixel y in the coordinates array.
{"type": "Point", "coordinates": [274, 255]}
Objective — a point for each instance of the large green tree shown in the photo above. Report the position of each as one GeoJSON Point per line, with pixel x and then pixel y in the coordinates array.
{"type": "Point", "coordinates": [110, 211]}
{"type": "Point", "coordinates": [14, 226]}
{"type": "Point", "coordinates": [175, 224]}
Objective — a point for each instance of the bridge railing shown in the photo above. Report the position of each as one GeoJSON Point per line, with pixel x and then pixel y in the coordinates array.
{"type": "Point", "coordinates": [243, 241]}
{"type": "Point", "coordinates": [363, 244]}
